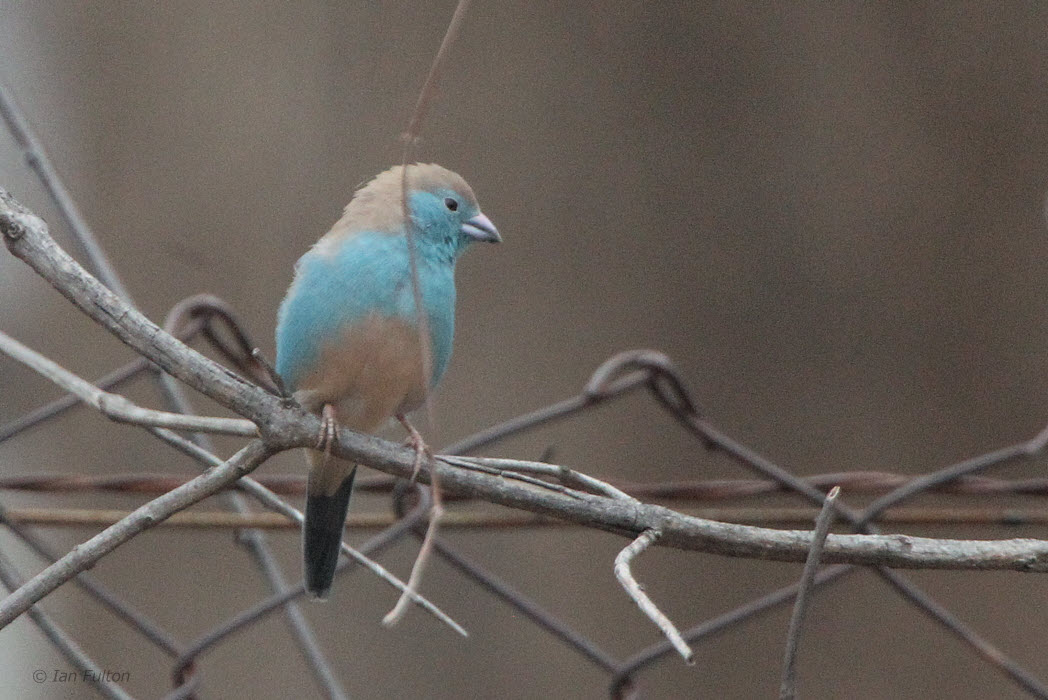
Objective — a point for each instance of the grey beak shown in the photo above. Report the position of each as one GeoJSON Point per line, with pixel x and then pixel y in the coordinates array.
{"type": "Point", "coordinates": [480, 228]}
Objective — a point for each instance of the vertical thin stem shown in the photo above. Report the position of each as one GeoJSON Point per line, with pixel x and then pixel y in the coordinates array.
{"type": "Point", "coordinates": [788, 689]}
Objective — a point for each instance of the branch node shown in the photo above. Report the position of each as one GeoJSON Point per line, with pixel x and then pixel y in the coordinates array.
{"type": "Point", "coordinates": [12, 226]}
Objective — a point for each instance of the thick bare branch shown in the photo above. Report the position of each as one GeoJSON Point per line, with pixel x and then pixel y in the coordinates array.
{"type": "Point", "coordinates": [456, 519]}
{"type": "Point", "coordinates": [678, 491]}
{"type": "Point", "coordinates": [287, 426]}
{"type": "Point", "coordinates": [27, 238]}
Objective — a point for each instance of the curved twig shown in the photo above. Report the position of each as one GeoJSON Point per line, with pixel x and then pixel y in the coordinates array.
{"type": "Point", "coordinates": [643, 601]}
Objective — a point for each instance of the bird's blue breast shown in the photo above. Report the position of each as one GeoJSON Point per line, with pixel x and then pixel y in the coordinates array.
{"type": "Point", "coordinates": [361, 275]}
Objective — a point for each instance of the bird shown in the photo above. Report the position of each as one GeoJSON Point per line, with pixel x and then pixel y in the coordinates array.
{"type": "Point", "coordinates": [351, 344]}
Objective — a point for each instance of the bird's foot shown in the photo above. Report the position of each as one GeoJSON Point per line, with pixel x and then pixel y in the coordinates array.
{"type": "Point", "coordinates": [328, 431]}
{"type": "Point", "coordinates": [416, 443]}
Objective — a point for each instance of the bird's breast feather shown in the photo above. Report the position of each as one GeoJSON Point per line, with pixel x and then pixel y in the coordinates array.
{"type": "Point", "coordinates": [367, 276]}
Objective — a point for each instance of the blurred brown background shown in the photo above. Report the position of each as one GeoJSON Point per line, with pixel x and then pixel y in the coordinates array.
{"type": "Point", "coordinates": [829, 216]}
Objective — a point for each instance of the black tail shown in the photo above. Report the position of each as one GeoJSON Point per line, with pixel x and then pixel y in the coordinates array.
{"type": "Point", "coordinates": [322, 533]}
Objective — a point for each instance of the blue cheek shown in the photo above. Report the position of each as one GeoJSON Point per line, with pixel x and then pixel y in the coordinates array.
{"type": "Point", "coordinates": [439, 227]}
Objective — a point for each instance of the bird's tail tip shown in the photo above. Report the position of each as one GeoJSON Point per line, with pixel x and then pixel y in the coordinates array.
{"type": "Point", "coordinates": [322, 534]}
{"type": "Point", "coordinates": [318, 596]}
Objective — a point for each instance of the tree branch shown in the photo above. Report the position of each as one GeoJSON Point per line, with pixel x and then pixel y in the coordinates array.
{"type": "Point", "coordinates": [788, 689]}
{"type": "Point", "coordinates": [643, 601]}
{"type": "Point", "coordinates": [89, 670]}
{"type": "Point", "coordinates": [83, 556]}
{"type": "Point", "coordinates": [270, 500]}
{"type": "Point", "coordinates": [284, 427]}
{"type": "Point", "coordinates": [115, 406]}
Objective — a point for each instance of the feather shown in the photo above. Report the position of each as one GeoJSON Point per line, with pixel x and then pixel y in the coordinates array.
{"type": "Point", "coordinates": [376, 205]}
{"type": "Point", "coordinates": [348, 328]}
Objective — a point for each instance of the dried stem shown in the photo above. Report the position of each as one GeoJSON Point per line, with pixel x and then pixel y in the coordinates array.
{"type": "Point", "coordinates": [88, 670]}
{"type": "Point", "coordinates": [436, 513]}
{"type": "Point", "coordinates": [788, 689]}
{"type": "Point", "coordinates": [570, 476]}
{"type": "Point", "coordinates": [625, 577]}
{"type": "Point", "coordinates": [85, 555]}
{"type": "Point", "coordinates": [115, 406]}
{"type": "Point", "coordinates": [273, 502]}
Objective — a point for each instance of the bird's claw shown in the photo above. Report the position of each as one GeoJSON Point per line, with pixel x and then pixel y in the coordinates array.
{"type": "Point", "coordinates": [415, 442]}
{"type": "Point", "coordinates": [421, 449]}
{"type": "Point", "coordinates": [328, 431]}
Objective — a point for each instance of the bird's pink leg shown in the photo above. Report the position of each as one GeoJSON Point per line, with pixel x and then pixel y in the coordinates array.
{"type": "Point", "coordinates": [417, 444]}
{"type": "Point", "coordinates": [328, 431]}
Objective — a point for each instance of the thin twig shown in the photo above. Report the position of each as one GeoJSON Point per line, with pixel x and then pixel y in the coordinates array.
{"type": "Point", "coordinates": [115, 406]}
{"type": "Point", "coordinates": [436, 512]}
{"type": "Point", "coordinates": [553, 470]}
{"type": "Point", "coordinates": [625, 577]}
{"type": "Point", "coordinates": [711, 627]}
{"type": "Point", "coordinates": [469, 463]}
{"type": "Point", "coordinates": [428, 91]}
{"type": "Point", "coordinates": [173, 394]}
{"type": "Point", "coordinates": [410, 137]}
{"type": "Point", "coordinates": [788, 689]}
{"type": "Point", "coordinates": [87, 669]}
{"type": "Point", "coordinates": [273, 502]}
{"type": "Point", "coordinates": [258, 611]}
{"type": "Point", "coordinates": [137, 620]}
{"type": "Point", "coordinates": [84, 555]}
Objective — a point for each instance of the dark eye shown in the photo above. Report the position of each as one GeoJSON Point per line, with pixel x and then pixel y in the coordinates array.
{"type": "Point", "coordinates": [451, 204]}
